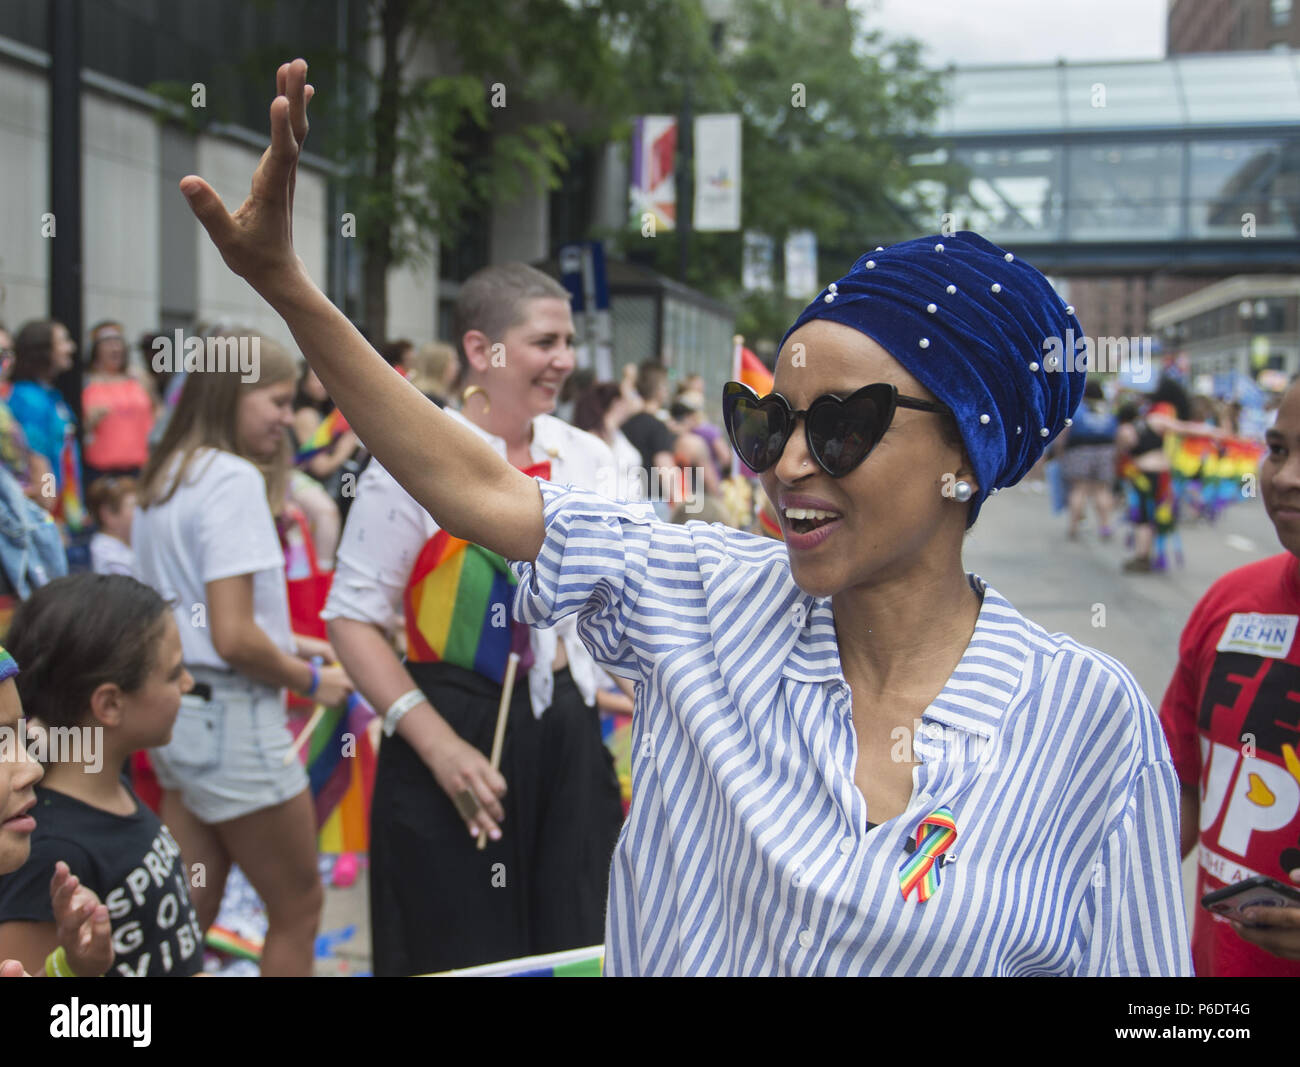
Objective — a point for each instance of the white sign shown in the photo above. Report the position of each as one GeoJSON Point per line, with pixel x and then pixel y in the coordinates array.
{"type": "Point", "coordinates": [717, 173]}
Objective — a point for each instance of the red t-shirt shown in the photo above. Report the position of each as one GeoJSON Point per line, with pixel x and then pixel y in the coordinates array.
{"type": "Point", "coordinates": [1232, 717]}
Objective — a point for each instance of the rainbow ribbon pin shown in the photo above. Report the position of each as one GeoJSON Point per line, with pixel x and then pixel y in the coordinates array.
{"type": "Point", "coordinates": [934, 836]}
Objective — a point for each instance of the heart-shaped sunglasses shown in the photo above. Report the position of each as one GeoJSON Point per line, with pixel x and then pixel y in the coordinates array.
{"type": "Point", "coordinates": [841, 431]}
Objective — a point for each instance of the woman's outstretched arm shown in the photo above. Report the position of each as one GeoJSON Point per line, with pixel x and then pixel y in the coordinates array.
{"type": "Point", "coordinates": [456, 476]}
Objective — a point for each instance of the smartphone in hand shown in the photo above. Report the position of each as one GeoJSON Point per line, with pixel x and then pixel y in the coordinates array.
{"type": "Point", "coordinates": [1257, 892]}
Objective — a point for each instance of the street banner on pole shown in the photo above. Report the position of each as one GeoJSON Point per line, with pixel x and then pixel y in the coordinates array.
{"type": "Point", "coordinates": [717, 173]}
{"type": "Point", "coordinates": [653, 185]}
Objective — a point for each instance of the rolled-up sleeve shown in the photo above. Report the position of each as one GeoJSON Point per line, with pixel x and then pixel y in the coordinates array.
{"type": "Point", "coordinates": [1138, 921]}
{"type": "Point", "coordinates": [601, 559]}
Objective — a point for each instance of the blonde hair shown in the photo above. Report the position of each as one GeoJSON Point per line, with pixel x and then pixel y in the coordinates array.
{"type": "Point", "coordinates": [432, 362]}
{"type": "Point", "coordinates": [205, 417]}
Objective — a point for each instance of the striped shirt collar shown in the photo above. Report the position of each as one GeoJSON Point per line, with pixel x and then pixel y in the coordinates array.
{"type": "Point", "coordinates": [998, 658]}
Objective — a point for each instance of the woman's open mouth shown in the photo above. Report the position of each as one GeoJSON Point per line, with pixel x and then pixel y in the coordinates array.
{"type": "Point", "coordinates": [805, 520]}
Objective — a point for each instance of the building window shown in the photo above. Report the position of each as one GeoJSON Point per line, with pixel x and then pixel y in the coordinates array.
{"type": "Point", "coordinates": [1280, 10]}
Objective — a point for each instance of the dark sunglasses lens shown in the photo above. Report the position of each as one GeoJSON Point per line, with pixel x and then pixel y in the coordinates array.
{"type": "Point", "coordinates": [842, 432]}
{"type": "Point", "coordinates": [758, 431]}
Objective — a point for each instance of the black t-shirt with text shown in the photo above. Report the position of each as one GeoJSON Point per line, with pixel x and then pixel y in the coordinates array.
{"type": "Point", "coordinates": [134, 866]}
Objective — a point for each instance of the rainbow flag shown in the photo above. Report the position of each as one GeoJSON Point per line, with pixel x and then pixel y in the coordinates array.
{"type": "Point", "coordinates": [68, 508]}
{"type": "Point", "coordinates": [331, 428]}
{"type": "Point", "coordinates": [457, 606]}
{"type": "Point", "coordinates": [575, 963]}
{"type": "Point", "coordinates": [751, 371]}
{"type": "Point", "coordinates": [340, 764]}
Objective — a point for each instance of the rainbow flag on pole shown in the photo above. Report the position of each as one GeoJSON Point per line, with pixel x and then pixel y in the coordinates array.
{"type": "Point", "coordinates": [748, 368]}
{"type": "Point", "coordinates": [331, 428]}
{"type": "Point", "coordinates": [340, 763]}
{"type": "Point", "coordinates": [68, 509]}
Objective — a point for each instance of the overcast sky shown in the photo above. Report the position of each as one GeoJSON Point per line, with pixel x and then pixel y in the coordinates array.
{"type": "Point", "coordinates": [976, 32]}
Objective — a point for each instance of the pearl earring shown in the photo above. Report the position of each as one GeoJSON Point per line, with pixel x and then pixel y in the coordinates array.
{"type": "Point", "coordinates": [961, 491]}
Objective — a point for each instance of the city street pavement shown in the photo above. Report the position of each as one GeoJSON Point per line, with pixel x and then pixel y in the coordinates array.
{"type": "Point", "coordinates": [1020, 549]}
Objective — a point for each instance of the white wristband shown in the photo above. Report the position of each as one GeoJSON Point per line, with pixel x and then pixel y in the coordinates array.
{"type": "Point", "coordinates": [398, 708]}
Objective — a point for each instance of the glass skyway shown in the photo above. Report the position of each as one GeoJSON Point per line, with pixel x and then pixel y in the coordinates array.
{"type": "Point", "coordinates": [1192, 161]}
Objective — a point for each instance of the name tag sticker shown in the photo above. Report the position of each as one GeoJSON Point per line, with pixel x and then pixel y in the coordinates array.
{"type": "Point", "coordinates": [1260, 635]}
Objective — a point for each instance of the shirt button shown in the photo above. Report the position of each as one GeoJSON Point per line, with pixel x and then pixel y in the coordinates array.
{"type": "Point", "coordinates": [797, 879]}
{"type": "Point", "coordinates": [846, 846]}
{"type": "Point", "coordinates": [806, 938]}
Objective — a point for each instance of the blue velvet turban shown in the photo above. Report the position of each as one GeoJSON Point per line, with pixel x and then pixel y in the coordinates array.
{"type": "Point", "coordinates": [978, 327]}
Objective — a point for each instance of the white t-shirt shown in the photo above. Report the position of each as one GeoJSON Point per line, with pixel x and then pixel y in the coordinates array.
{"type": "Point", "coordinates": [108, 555]}
{"type": "Point", "coordinates": [216, 525]}
{"type": "Point", "coordinates": [386, 529]}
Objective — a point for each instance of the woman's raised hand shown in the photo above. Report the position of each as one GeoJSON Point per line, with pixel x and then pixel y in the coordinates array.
{"type": "Point", "coordinates": [257, 240]}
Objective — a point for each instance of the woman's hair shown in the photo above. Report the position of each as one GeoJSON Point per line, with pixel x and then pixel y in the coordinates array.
{"type": "Point", "coordinates": [493, 299]}
{"type": "Point", "coordinates": [302, 399]}
{"type": "Point", "coordinates": [205, 417]}
{"type": "Point", "coordinates": [395, 351]}
{"type": "Point", "coordinates": [1128, 412]}
{"type": "Point", "coordinates": [1093, 390]}
{"type": "Point", "coordinates": [34, 350]}
{"type": "Point", "coordinates": [432, 362]}
{"type": "Point", "coordinates": [95, 341]}
{"type": "Point", "coordinates": [591, 407]}
{"type": "Point", "coordinates": [79, 632]}
{"type": "Point", "coordinates": [108, 493]}
{"type": "Point", "coordinates": [1168, 391]}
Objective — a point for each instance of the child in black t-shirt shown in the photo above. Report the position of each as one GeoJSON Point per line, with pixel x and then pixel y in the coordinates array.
{"type": "Point", "coordinates": [81, 922]}
{"type": "Point", "coordinates": [102, 672]}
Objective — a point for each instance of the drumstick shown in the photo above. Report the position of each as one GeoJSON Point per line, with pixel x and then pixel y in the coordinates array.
{"type": "Point", "coordinates": [304, 735]}
{"type": "Point", "coordinates": [507, 687]}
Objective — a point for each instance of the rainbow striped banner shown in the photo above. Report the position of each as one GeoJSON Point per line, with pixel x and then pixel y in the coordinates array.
{"type": "Point", "coordinates": [331, 428]}
{"type": "Point", "coordinates": [934, 836]}
{"type": "Point", "coordinates": [575, 963]}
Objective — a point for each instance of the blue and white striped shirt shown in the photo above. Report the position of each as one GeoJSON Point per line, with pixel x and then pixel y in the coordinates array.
{"type": "Point", "coordinates": [747, 850]}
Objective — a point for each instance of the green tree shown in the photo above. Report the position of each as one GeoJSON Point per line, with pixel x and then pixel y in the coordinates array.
{"type": "Point", "coordinates": [830, 111]}
{"type": "Point", "coordinates": [474, 102]}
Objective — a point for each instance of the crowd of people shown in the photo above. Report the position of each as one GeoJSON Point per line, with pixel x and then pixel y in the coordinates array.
{"type": "Point", "coordinates": [464, 539]}
{"type": "Point", "coordinates": [1154, 459]}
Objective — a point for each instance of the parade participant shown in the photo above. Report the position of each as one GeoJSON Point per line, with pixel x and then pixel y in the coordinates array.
{"type": "Point", "coordinates": [773, 800]}
{"type": "Point", "coordinates": [112, 506]}
{"type": "Point", "coordinates": [601, 409]}
{"type": "Point", "coordinates": [102, 673]}
{"type": "Point", "coordinates": [42, 351]}
{"type": "Point", "coordinates": [553, 811]}
{"type": "Point", "coordinates": [1088, 461]}
{"type": "Point", "coordinates": [1237, 661]}
{"type": "Point", "coordinates": [435, 371]}
{"type": "Point", "coordinates": [118, 409]}
{"type": "Point", "coordinates": [651, 436]}
{"type": "Point", "coordinates": [204, 536]}
{"type": "Point", "coordinates": [1145, 467]}
{"type": "Point", "coordinates": [81, 921]}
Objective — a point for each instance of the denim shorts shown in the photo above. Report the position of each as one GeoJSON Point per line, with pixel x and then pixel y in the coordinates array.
{"type": "Point", "coordinates": [226, 755]}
